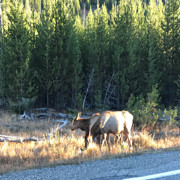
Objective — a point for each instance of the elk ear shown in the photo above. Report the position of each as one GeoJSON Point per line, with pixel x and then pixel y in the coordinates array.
{"type": "Point", "coordinates": [73, 120]}
{"type": "Point", "coordinates": [78, 115]}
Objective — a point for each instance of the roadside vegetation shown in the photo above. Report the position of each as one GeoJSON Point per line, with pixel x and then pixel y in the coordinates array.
{"type": "Point", "coordinates": [154, 129]}
{"type": "Point", "coordinates": [65, 146]}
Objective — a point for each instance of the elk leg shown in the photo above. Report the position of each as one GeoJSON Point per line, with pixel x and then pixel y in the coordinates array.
{"type": "Point", "coordinates": [127, 134]}
{"type": "Point", "coordinates": [104, 139]}
{"type": "Point", "coordinates": [118, 139]}
{"type": "Point", "coordinates": [130, 142]}
{"type": "Point", "coordinates": [128, 137]}
{"type": "Point", "coordinates": [108, 141]}
{"type": "Point", "coordinates": [98, 139]}
{"type": "Point", "coordinates": [86, 141]}
{"type": "Point", "coordinates": [99, 145]}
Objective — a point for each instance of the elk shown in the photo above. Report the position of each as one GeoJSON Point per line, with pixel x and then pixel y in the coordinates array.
{"type": "Point", "coordinates": [115, 122]}
{"type": "Point", "coordinates": [84, 124]}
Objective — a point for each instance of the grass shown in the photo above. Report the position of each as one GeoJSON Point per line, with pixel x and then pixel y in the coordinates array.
{"type": "Point", "coordinates": [66, 147]}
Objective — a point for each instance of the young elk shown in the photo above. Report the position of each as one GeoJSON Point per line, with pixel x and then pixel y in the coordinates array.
{"type": "Point", "coordinates": [115, 122]}
{"type": "Point", "coordinates": [84, 124]}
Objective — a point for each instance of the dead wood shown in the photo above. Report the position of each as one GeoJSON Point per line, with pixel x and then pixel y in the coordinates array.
{"type": "Point", "coordinates": [17, 139]}
{"type": "Point", "coordinates": [5, 138]}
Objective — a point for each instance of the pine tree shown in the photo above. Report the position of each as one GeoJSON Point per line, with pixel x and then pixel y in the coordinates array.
{"type": "Point", "coordinates": [101, 18]}
{"type": "Point", "coordinates": [138, 48]}
{"type": "Point", "coordinates": [121, 30]}
{"type": "Point", "coordinates": [65, 55]}
{"type": "Point", "coordinates": [89, 64]}
{"type": "Point", "coordinates": [16, 52]}
{"type": "Point", "coordinates": [79, 32]}
{"type": "Point", "coordinates": [49, 50]}
{"type": "Point", "coordinates": [41, 64]}
{"type": "Point", "coordinates": [74, 68]}
{"type": "Point", "coordinates": [154, 19]}
{"type": "Point", "coordinates": [1, 55]}
{"type": "Point", "coordinates": [171, 49]}
{"type": "Point", "coordinates": [177, 82]}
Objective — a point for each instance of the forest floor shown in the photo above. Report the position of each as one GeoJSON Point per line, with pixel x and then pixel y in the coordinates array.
{"type": "Point", "coordinates": [65, 146]}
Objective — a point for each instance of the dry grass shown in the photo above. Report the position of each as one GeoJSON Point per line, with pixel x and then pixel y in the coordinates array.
{"type": "Point", "coordinates": [66, 147]}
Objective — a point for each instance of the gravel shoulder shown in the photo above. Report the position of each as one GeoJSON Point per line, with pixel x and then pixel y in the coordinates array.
{"type": "Point", "coordinates": [118, 168]}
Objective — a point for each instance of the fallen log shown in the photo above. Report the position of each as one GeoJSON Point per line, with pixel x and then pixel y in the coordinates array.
{"type": "Point", "coordinates": [17, 139]}
{"type": "Point", "coordinates": [4, 138]}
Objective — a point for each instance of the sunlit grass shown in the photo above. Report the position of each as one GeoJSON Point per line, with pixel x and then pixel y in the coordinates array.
{"type": "Point", "coordinates": [67, 147]}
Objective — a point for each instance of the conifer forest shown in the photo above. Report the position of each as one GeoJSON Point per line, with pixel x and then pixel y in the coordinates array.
{"type": "Point", "coordinates": [89, 54]}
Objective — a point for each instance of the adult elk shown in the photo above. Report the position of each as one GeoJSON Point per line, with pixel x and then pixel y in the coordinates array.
{"type": "Point", "coordinates": [85, 124]}
{"type": "Point", "coordinates": [115, 122]}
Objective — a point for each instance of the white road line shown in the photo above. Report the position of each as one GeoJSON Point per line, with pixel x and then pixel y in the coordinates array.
{"type": "Point", "coordinates": [170, 173]}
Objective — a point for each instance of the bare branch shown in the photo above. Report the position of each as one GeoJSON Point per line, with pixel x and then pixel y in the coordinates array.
{"type": "Point", "coordinates": [59, 127]}
{"type": "Point", "coordinates": [88, 86]}
{"type": "Point", "coordinates": [110, 88]}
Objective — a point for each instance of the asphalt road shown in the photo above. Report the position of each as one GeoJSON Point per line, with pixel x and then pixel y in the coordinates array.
{"type": "Point", "coordinates": [163, 165]}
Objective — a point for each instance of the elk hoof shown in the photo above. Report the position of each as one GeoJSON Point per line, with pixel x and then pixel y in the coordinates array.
{"type": "Point", "coordinates": [80, 151]}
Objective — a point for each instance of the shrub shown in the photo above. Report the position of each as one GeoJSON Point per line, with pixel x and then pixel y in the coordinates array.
{"type": "Point", "coordinates": [143, 109]}
{"type": "Point", "coordinates": [20, 106]}
{"type": "Point", "coordinates": [170, 116]}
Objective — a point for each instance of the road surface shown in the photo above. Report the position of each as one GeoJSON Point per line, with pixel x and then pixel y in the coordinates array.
{"type": "Point", "coordinates": [164, 166]}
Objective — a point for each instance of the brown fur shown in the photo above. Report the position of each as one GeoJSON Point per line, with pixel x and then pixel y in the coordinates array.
{"type": "Point", "coordinates": [115, 122]}
{"type": "Point", "coordinates": [84, 124]}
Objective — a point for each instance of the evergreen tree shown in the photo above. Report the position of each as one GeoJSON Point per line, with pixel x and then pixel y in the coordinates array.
{"type": "Point", "coordinates": [177, 82]}
{"type": "Point", "coordinates": [138, 50]}
{"type": "Point", "coordinates": [79, 31]}
{"type": "Point", "coordinates": [95, 55]}
{"type": "Point", "coordinates": [89, 57]}
{"type": "Point", "coordinates": [50, 49]}
{"type": "Point", "coordinates": [41, 64]}
{"type": "Point", "coordinates": [171, 35]}
{"type": "Point", "coordinates": [101, 18]}
{"type": "Point", "coordinates": [65, 55]}
{"type": "Point", "coordinates": [74, 68]}
{"type": "Point", "coordinates": [122, 30]}
{"type": "Point", "coordinates": [155, 63]}
{"type": "Point", "coordinates": [36, 5]}
{"type": "Point", "coordinates": [16, 53]}
{"type": "Point", "coordinates": [1, 54]}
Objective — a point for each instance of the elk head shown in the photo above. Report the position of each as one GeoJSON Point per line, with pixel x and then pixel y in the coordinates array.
{"type": "Point", "coordinates": [75, 122]}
